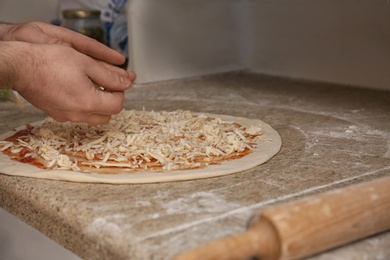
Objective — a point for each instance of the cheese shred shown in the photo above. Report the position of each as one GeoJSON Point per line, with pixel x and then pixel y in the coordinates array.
{"type": "Point", "coordinates": [138, 140]}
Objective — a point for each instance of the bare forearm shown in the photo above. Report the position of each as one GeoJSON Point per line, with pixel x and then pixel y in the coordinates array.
{"type": "Point", "coordinates": [8, 60]}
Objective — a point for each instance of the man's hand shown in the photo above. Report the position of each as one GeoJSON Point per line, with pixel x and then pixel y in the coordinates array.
{"type": "Point", "coordinates": [38, 32]}
{"type": "Point", "coordinates": [66, 74]}
{"type": "Point", "coordinates": [63, 82]}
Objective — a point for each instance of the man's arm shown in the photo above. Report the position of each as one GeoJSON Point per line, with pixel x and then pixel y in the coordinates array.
{"type": "Point", "coordinates": [6, 70]}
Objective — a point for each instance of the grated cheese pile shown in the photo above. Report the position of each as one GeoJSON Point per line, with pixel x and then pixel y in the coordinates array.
{"type": "Point", "coordinates": [137, 140]}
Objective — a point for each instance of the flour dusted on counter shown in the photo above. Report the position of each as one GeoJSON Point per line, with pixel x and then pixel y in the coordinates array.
{"type": "Point", "coordinates": [140, 140]}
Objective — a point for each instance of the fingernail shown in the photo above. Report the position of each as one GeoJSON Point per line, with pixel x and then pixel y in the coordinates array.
{"type": "Point", "coordinates": [132, 75]}
{"type": "Point", "coordinates": [125, 81]}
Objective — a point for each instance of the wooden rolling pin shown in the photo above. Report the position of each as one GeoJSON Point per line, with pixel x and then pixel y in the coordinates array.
{"type": "Point", "coordinates": [307, 226]}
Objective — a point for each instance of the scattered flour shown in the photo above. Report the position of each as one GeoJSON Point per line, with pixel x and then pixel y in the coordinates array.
{"type": "Point", "coordinates": [199, 202]}
{"type": "Point", "coordinates": [112, 225]}
{"type": "Point", "coordinates": [361, 135]}
{"type": "Point", "coordinates": [142, 203]}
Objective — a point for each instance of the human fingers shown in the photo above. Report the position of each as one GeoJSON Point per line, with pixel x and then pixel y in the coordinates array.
{"type": "Point", "coordinates": [97, 119]}
{"type": "Point", "coordinates": [108, 77]}
{"type": "Point", "coordinates": [39, 32]}
{"type": "Point", "coordinates": [83, 44]}
{"type": "Point", "coordinates": [92, 119]}
{"type": "Point", "coordinates": [106, 103]}
{"type": "Point", "coordinates": [31, 32]}
{"type": "Point", "coordinates": [130, 74]}
{"type": "Point", "coordinates": [62, 87]}
{"type": "Point", "coordinates": [95, 103]}
{"type": "Point", "coordinates": [92, 106]}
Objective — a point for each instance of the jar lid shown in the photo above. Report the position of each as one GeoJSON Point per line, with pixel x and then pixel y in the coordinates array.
{"type": "Point", "coordinates": [81, 13]}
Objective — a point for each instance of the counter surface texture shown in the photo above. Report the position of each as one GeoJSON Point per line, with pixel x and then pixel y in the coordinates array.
{"type": "Point", "coordinates": [333, 136]}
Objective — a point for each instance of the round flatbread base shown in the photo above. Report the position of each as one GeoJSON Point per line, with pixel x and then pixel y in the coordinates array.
{"type": "Point", "coordinates": [265, 150]}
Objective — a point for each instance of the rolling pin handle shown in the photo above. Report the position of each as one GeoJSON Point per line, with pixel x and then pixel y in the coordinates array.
{"type": "Point", "coordinates": [260, 242]}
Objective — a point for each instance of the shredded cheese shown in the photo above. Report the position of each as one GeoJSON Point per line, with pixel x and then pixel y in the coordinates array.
{"type": "Point", "coordinates": [138, 140]}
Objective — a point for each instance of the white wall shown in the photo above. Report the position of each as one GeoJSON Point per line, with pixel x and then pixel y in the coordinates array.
{"type": "Point", "coordinates": [339, 41]}
{"type": "Point", "coordinates": [17, 11]}
{"type": "Point", "coordinates": [342, 41]}
{"type": "Point", "coordinates": [181, 38]}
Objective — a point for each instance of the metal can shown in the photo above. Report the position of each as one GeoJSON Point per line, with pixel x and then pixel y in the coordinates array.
{"type": "Point", "coordinates": [85, 21]}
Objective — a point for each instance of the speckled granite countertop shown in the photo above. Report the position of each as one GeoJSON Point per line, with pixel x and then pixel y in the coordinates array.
{"type": "Point", "coordinates": [332, 136]}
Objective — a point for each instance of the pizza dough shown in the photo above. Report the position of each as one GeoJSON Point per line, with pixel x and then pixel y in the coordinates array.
{"type": "Point", "coordinates": [265, 150]}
